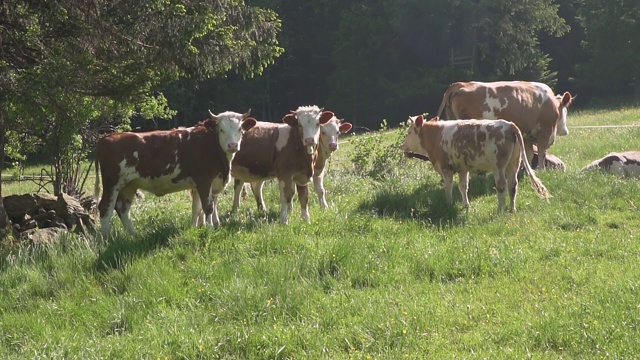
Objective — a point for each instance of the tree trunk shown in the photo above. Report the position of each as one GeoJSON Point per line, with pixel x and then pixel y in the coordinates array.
{"type": "Point", "coordinates": [5, 224]}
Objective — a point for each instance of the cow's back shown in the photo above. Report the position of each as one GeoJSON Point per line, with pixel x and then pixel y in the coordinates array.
{"type": "Point", "coordinates": [529, 105]}
{"type": "Point", "coordinates": [477, 145]}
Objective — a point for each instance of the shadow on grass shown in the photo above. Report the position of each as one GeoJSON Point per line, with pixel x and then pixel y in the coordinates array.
{"type": "Point", "coordinates": [124, 249]}
{"type": "Point", "coordinates": [427, 203]}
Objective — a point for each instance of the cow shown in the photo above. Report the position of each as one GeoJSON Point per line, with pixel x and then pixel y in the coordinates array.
{"type": "Point", "coordinates": [550, 161]}
{"type": "Point", "coordinates": [463, 146]}
{"type": "Point", "coordinates": [168, 161]}
{"type": "Point", "coordinates": [329, 133]}
{"type": "Point", "coordinates": [286, 152]}
{"type": "Point", "coordinates": [625, 163]}
{"type": "Point", "coordinates": [539, 114]}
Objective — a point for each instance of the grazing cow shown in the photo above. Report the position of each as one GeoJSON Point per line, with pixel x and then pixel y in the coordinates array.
{"type": "Point", "coordinates": [329, 133]}
{"type": "Point", "coordinates": [163, 162]}
{"type": "Point", "coordinates": [463, 146]}
{"type": "Point", "coordinates": [539, 114]}
{"type": "Point", "coordinates": [624, 164]}
{"type": "Point", "coordinates": [283, 151]}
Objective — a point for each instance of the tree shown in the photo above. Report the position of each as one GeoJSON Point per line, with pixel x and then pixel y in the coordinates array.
{"type": "Point", "coordinates": [68, 61]}
{"type": "Point", "coordinates": [612, 41]}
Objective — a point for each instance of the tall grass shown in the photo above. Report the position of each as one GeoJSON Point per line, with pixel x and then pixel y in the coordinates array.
{"type": "Point", "coordinates": [388, 271]}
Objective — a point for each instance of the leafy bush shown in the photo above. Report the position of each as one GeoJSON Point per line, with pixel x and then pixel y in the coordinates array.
{"type": "Point", "coordinates": [374, 155]}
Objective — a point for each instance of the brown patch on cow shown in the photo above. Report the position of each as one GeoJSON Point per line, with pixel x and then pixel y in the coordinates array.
{"type": "Point", "coordinates": [465, 141]}
{"type": "Point", "coordinates": [259, 159]}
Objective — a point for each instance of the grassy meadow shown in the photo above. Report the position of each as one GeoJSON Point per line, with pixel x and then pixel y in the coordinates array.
{"type": "Point", "coordinates": [389, 271]}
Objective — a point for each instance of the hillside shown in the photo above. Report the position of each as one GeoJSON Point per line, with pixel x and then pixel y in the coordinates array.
{"type": "Point", "coordinates": [387, 272]}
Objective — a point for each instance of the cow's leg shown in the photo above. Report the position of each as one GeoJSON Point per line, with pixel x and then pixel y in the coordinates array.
{"type": "Point", "coordinates": [197, 216]}
{"type": "Point", "coordinates": [215, 220]}
{"type": "Point", "coordinates": [286, 200]}
{"type": "Point", "coordinates": [123, 206]}
{"type": "Point", "coordinates": [105, 207]}
{"type": "Point", "coordinates": [303, 196]}
{"type": "Point", "coordinates": [318, 183]}
{"type": "Point", "coordinates": [501, 187]}
{"type": "Point", "coordinates": [204, 192]}
{"type": "Point", "coordinates": [543, 145]}
{"type": "Point", "coordinates": [463, 186]}
{"type": "Point", "coordinates": [512, 185]}
{"type": "Point", "coordinates": [447, 178]}
{"type": "Point", "coordinates": [528, 149]}
{"type": "Point", "coordinates": [256, 188]}
{"type": "Point", "coordinates": [237, 191]}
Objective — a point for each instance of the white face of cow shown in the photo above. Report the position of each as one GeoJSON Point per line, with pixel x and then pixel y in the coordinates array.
{"type": "Point", "coordinates": [309, 118]}
{"type": "Point", "coordinates": [330, 131]}
{"type": "Point", "coordinates": [564, 101]}
{"type": "Point", "coordinates": [412, 141]}
{"type": "Point", "coordinates": [231, 125]}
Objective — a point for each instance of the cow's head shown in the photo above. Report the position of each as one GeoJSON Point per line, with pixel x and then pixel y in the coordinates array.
{"type": "Point", "coordinates": [309, 119]}
{"type": "Point", "coordinates": [564, 101]}
{"type": "Point", "coordinates": [411, 143]}
{"type": "Point", "coordinates": [330, 131]}
{"type": "Point", "coordinates": [230, 127]}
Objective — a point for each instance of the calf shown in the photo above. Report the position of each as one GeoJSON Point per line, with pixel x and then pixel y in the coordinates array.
{"type": "Point", "coordinates": [163, 162]}
{"type": "Point", "coordinates": [463, 146]}
{"type": "Point", "coordinates": [624, 164]}
{"type": "Point", "coordinates": [329, 133]}
{"type": "Point", "coordinates": [532, 106]}
{"type": "Point", "coordinates": [283, 151]}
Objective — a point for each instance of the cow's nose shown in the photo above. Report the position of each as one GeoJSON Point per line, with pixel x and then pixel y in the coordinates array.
{"type": "Point", "coordinates": [232, 146]}
{"type": "Point", "coordinates": [333, 146]}
{"type": "Point", "coordinates": [309, 141]}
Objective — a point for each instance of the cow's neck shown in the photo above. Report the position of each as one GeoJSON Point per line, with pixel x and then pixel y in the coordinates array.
{"type": "Point", "coordinates": [321, 159]}
{"type": "Point", "coordinates": [427, 135]}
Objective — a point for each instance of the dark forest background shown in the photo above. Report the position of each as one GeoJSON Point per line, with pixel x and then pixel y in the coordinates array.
{"type": "Point", "coordinates": [369, 60]}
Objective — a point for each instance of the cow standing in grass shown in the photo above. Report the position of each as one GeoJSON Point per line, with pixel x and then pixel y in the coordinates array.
{"type": "Point", "coordinates": [463, 146]}
{"type": "Point", "coordinates": [286, 152]}
{"type": "Point", "coordinates": [328, 144]}
{"type": "Point", "coordinates": [163, 162]}
{"type": "Point", "coordinates": [537, 112]}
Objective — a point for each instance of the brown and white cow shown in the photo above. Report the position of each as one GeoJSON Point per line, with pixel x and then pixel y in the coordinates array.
{"type": "Point", "coordinates": [329, 133]}
{"type": "Point", "coordinates": [539, 114]}
{"type": "Point", "coordinates": [625, 163]}
{"type": "Point", "coordinates": [283, 151]}
{"type": "Point", "coordinates": [163, 162]}
{"type": "Point", "coordinates": [463, 146]}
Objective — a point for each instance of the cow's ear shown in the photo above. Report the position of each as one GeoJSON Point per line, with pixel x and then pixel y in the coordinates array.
{"type": "Point", "coordinates": [290, 119]}
{"type": "Point", "coordinates": [248, 123]}
{"type": "Point", "coordinates": [419, 120]}
{"type": "Point", "coordinates": [345, 127]}
{"type": "Point", "coordinates": [567, 99]}
{"type": "Point", "coordinates": [211, 124]}
{"type": "Point", "coordinates": [326, 116]}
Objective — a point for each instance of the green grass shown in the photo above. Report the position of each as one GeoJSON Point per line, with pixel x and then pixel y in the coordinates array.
{"type": "Point", "coordinates": [387, 272]}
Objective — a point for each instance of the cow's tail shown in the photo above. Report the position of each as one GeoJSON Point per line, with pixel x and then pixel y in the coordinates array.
{"type": "Point", "coordinates": [96, 185]}
{"type": "Point", "coordinates": [446, 99]}
{"type": "Point", "coordinates": [536, 184]}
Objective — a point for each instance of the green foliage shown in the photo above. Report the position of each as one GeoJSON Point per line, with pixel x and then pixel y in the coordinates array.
{"type": "Point", "coordinates": [374, 155]}
{"type": "Point", "coordinates": [611, 42]}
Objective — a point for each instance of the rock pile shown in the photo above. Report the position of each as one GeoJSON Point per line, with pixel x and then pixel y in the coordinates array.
{"type": "Point", "coordinates": [43, 217]}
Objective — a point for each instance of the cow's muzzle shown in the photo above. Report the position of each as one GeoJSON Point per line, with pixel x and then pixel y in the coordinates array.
{"type": "Point", "coordinates": [232, 147]}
